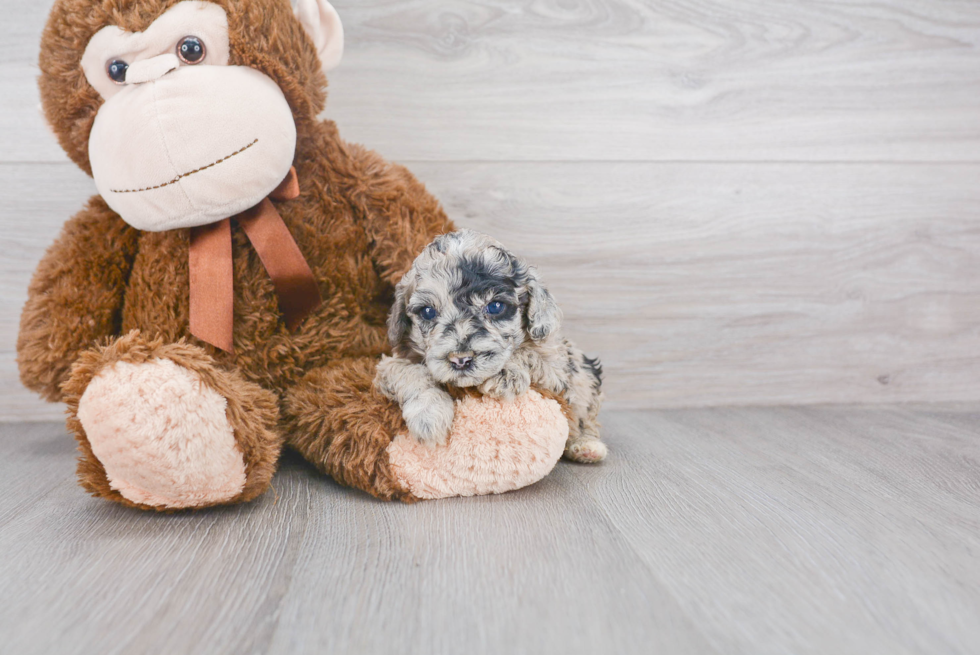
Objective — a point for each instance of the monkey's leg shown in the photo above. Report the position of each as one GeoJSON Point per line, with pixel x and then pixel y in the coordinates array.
{"type": "Point", "coordinates": [161, 427]}
{"type": "Point", "coordinates": [341, 422]}
{"type": "Point", "coordinates": [338, 420]}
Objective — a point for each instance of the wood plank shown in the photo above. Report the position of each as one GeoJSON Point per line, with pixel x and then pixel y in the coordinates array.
{"type": "Point", "coordinates": [38, 199]}
{"type": "Point", "coordinates": [705, 284]}
{"type": "Point", "coordinates": [23, 131]}
{"type": "Point", "coordinates": [475, 576]}
{"type": "Point", "coordinates": [634, 80]}
{"type": "Point", "coordinates": [324, 569]}
{"type": "Point", "coordinates": [806, 530]}
{"type": "Point", "coordinates": [624, 80]}
{"type": "Point", "coordinates": [697, 284]}
{"type": "Point", "coordinates": [763, 530]}
{"type": "Point", "coordinates": [102, 578]}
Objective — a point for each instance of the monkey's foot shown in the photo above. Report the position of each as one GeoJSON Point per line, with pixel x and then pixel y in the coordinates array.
{"type": "Point", "coordinates": [158, 434]}
{"type": "Point", "coordinates": [585, 450]}
{"type": "Point", "coordinates": [494, 446]}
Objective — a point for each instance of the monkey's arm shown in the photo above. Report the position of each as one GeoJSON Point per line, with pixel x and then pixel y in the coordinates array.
{"type": "Point", "coordinates": [75, 297]}
{"type": "Point", "coordinates": [402, 217]}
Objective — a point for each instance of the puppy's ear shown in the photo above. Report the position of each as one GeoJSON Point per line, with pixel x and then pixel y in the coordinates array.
{"type": "Point", "coordinates": [399, 322]}
{"type": "Point", "coordinates": [543, 313]}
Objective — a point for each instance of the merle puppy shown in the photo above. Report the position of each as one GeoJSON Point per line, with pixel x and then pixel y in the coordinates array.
{"type": "Point", "coordinates": [471, 314]}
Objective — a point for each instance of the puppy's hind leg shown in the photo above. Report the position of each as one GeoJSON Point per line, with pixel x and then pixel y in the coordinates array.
{"type": "Point", "coordinates": [584, 444]}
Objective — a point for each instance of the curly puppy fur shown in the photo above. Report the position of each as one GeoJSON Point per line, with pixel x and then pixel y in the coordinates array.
{"type": "Point", "coordinates": [469, 314]}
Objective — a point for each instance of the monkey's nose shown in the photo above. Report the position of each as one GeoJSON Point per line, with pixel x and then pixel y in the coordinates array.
{"type": "Point", "coordinates": [147, 70]}
{"type": "Point", "coordinates": [461, 361]}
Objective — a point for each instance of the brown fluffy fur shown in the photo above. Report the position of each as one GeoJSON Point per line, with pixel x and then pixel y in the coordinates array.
{"type": "Point", "coordinates": [359, 221]}
{"type": "Point", "coordinates": [343, 425]}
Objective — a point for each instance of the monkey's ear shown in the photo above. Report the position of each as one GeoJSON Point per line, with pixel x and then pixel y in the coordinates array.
{"type": "Point", "coordinates": [321, 22]}
{"type": "Point", "coordinates": [543, 313]}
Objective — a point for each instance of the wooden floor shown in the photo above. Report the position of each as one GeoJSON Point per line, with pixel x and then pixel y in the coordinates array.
{"type": "Point", "coordinates": [765, 530]}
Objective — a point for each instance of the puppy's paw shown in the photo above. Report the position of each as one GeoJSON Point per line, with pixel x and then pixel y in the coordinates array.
{"type": "Point", "coordinates": [429, 416]}
{"type": "Point", "coordinates": [389, 372]}
{"type": "Point", "coordinates": [586, 451]}
{"type": "Point", "coordinates": [510, 383]}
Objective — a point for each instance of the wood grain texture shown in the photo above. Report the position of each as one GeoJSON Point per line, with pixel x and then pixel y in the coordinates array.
{"type": "Point", "coordinates": [754, 204]}
{"type": "Point", "coordinates": [717, 284]}
{"type": "Point", "coordinates": [714, 284]}
{"type": "Point", "coordinates": [24, 136]}
{"type": "Point", "coordinates": [762, 530]}
{"type": "Point", "coordinates": [686, 80]}
{"type": "Point", "coordinates": [38, 199]}
{"type": "Point", "coordinates": [756, 518]}
{"type": "Point", "coordinates": [625, 80]}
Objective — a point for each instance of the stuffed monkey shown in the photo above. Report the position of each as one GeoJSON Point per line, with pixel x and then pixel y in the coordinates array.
{"type": "Point", "coordinates": [225, 294]}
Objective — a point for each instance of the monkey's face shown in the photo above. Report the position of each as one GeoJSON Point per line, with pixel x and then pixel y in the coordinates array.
{"type": "Point", "coordinates": [182, 137]}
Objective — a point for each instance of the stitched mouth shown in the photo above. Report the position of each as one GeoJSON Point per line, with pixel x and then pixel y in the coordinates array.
{"type": "Point", "coordinates": [189, 173]}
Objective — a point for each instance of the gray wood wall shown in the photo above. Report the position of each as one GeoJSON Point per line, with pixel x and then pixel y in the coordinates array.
{"type": "Point", "coordinates": [752, 202]}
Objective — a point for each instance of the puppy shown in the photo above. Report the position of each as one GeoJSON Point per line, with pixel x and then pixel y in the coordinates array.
{"type": "Point", "coordinates": [471, 314]}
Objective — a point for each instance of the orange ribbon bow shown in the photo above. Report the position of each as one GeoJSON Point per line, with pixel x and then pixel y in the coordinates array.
{"type": "Point", "coordinates": [212, 277]}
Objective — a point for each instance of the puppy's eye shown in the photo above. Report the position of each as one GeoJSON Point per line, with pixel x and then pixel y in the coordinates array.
{"type": "Point", "coordinates": [116, 70]}
{"type": "Point", "coordinates": [428, 313]}
{"type": "Point", "coordinates": [496, 307]}
{"type": "Point", "coordinates": [191, 50]}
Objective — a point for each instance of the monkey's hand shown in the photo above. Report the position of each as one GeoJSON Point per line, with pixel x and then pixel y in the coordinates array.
{"type": "Point", "coordinates": [512, 381]}
{"type": "Point", "coordinates": [76, 296]}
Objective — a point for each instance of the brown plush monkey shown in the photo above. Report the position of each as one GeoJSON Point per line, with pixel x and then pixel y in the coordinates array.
{"type": "Point", "coordinates": [226, 292]}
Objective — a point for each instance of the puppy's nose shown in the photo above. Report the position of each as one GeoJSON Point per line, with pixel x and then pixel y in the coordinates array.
{"type": "Point", "coordinates": [461, 361]}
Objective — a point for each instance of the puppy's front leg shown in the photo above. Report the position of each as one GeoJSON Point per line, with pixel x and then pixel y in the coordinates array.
{"type": "Point", "coordinates": [427, 409]}
{"type": "Point", "coordinates": [512, 380]}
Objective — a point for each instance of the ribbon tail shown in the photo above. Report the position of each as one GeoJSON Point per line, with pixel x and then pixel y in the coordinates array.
{"type": "Point", "coordinates": [288, 189]}
{"type": "Point", "coordinates": [295, 285]}
{"type": "Point", "coordinates": [212, 303]}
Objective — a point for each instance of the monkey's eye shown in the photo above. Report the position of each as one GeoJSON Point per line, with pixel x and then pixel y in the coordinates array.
{"type": "Point", "coordinates": [496, 307]}
{"type": "Point", "coordinates": [116, 69]}
{"type": "Point", "coordinates": [191, 50]}
{"type": "Point", "coordinates": [428, 313]}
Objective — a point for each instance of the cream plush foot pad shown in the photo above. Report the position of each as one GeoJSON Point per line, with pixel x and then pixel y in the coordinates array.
{"type": "Point", "coordinates": [161, 435]}
{"type": "Point", "coordinates": [494, 446]}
